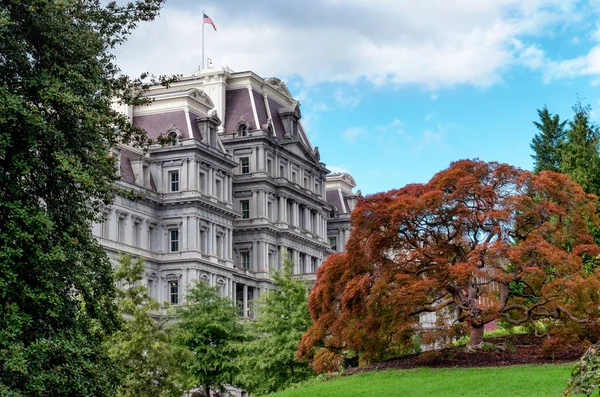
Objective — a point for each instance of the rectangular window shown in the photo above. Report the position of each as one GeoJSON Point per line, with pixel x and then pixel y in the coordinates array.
{"type": "Point", "coordinates": [245, 164]}
{"type": "Point", "coordinates": [120, 229]}
{"type": "Point", "coordinates": [202, 182]}
{"type": "Point", "coordinates": [313, 265]}
{"type": "Point", "coordinates": [203, 241]}
{"type": "Point", "coordinates": [150, 242]}
{"type": "Point", "coordinates": [270, 210]}
{"type": "Point", "coordinates": [294, 176]}
{"type": "Point", "coordinates": [174, 179]}
{"type": "Point", "coordinates": [135, 235]}
{"type": "Point", "coordinates": [269, 166]}
{"type": "Point", "coordinates": [174, 240]}
{"type": "Point", "coordinates": [245, 204]}
{"type": "Point", "coordinates": [174, 292]}
{"type": "Point", "coordinates": [333, 243]}
{"type": "Point", "coordinates": [302, 264]}
{"type": "Point", "coordinates": [245, 259]}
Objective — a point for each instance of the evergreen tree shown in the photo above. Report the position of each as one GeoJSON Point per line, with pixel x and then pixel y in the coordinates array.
{"type": "Point", "coordinates": [152, 366]}
{"type": "Point", "coordinates": [57, 81]}
{"type": "Point", "coordinates": [268, 362]}
{"type": "Point", "coordinates": [580, 159]}
{"type": "Point", "coordinates": [209, 327]}
{"type": "Point", "coordinates": [548, 143]}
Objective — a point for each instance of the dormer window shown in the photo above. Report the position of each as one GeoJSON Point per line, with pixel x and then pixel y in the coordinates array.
{"type": "Point", "coordinates": [173, 138]}
{"type": "Point", "coordinates": [242, 130]}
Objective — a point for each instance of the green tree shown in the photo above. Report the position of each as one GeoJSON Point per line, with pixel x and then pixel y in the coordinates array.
{"type": "Point", "coordinates": [152, 366]}
{"type": "Point", "coordinates": [57, 81]}
{"type": "Point", "coordinates": [580, 158]}
{"type": "Point", "coordinates": [209, 327]}
{"type": "Point", "coordinates": [268, 361]}
{"type": "Point", "coordinates": [547, 145]}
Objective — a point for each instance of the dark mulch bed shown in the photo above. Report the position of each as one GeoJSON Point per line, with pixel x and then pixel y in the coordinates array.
{"type": "Point", "coordinates": [509, 350]}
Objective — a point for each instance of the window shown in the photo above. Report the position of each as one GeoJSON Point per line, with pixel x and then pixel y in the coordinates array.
{"type": "Point", "coordinates": [269, 166]}
{"type": "Point", "coordinates": [245, 204]}
{"type": "Point", "coordinates": [245, 259]}
{"type": "Point", "coordinates": [333, 243]}
{"type": "Point", "coordinates": [282, 171]}
{"type": "Point", "coordinates": [135, 234]}
{"type": "Point", "coordinates": [302, 265]}
{"type": "Point", "coordinates": [121, 229]}
{"type": "Point", "coordinates": [243, 130]}
{"type": "Point", "coordinates": [151, 287]}
{"type": "Point", "coordinates": [245, 164]}
{"type": "Point", "coordinates": [294, 176]}
{"type": "Point", "coordinates": [202, 182]}
{"type": "Point", "coordinates": [270, 210]}
{"type": "Point", "coordinates": [150, 242]}
{"type": "Point", "coordinates": [313, 265]}
{"type": "Point", "coordinates": [174, 179]}
{"type": "Point", "coordinates": [174, 292]}
{"type": "Point", "coordinates": [203, 242]}
{"type": "Point", "coordinates": [174, 240]}
{"type": "Point", "coordinates": [173, 138]}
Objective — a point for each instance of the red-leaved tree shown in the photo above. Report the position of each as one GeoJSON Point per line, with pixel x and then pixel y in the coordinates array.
{"type": "Point", "coordinates": [479, 242]}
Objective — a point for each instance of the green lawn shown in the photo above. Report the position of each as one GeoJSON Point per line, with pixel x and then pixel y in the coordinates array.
{"type": "Point", "coordinates": [519, 380]}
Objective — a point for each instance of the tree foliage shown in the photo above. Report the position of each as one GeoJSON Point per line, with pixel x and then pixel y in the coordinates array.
{"type": "Point", "coordinates": [479, 242]}
{"type": "Point", "coordinates": [268, 362]}
{"type": "Point", "coordinates": [209, 327]}
{"type": "Point", "coordinates": [580, 158]}
{"type": "Point", "coordinates": [548, 144]}
{"type": "Point", "coordinates": [57, 80]}
{"type": "Point", "coordinates": [585, 377]}
{"type": "Point", "coordinates": [152, 366]}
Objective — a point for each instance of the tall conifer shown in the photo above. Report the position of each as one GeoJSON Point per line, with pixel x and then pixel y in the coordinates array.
{"type": "Point", "coordinates": [547, 145]}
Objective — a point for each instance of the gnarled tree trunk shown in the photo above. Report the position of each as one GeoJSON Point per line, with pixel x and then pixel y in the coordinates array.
{"type": "Point", "coordinates": [476, 335]}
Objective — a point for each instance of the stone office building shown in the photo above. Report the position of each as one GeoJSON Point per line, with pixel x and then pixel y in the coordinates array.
{"type": "Point", "coordinates": [237, 188]}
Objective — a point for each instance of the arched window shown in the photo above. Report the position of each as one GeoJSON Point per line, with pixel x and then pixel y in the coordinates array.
{"type": "Point", "coordinates": [174, 138]}
{"type": "Point", "coordinates": [242, 130]}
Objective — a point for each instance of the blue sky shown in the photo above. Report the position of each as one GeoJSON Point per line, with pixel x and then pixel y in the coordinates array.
{"type": "Point", "coordinates": [393, 91]}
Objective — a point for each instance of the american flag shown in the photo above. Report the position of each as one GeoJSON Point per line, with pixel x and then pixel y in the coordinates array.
{"type": "Point", "coordinates": [209, 21]}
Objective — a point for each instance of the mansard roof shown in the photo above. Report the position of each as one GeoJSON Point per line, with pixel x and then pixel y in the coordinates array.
{"type": "Point", "coordinates": [339, 192]}
{"type": "Point", "coordinates": [267, 107]}
{"type": "Point", "coordinates": [174, 110]}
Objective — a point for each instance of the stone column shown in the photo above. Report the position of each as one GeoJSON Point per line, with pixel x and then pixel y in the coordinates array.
{"type": "Point", "coordinates": [254, 206]}
{"type": "Point", "coordinates": [255, 256]}
{"type": "Point", "coordinates": [184, 233]}
{"type": "Point", "coordinates": [193, 175]}
{"type": "Point", "coordinates": [261, 159]}
{"type": "Point", "coordinates": [280, 210]}
{"type": "Point", "coordinates": [210, 181]}
{"type": "Point", "coordinates": [245, 302]}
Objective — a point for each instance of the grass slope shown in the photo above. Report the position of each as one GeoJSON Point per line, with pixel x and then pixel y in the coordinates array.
{"type": "Point", "coordinates": [519, 380]}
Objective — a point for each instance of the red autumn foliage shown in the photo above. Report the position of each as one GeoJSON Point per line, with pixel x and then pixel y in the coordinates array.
{"type": "Point", "coordinates": [479, 242]}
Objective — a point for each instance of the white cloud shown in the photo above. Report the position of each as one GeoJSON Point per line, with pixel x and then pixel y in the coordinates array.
{"type": "Point", "coordinates": [431, 139]}
{"type": "Point", "coordinates": [346, 100]}
{"type": "Point", "coordinates": [351, 134]}
{"type": "Point", "coordinates": [382, 41]}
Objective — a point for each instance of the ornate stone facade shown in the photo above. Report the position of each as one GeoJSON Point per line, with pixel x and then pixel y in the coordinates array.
{"type": "Point", "coordinates": [237, 188]}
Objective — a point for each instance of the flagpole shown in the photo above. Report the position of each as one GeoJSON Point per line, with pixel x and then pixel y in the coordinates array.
{"type": "Point", "coordinates": [202, 40]}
